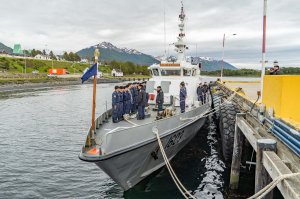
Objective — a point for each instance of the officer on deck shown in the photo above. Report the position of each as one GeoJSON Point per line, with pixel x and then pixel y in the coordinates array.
{"type": "Point", "coordinates": [200, 93]}
{"type": "Point", "coordinates": [128, 100]}
{"type": "Point", "coordinates": [159, 101]}
{"type": "Point", "coordinates": [205, 90]}
{"type": "Point", "coordinates": [182, 97]}
{"type": "Point", "coordinates": [141, 102]}
{"type": "Point", "coordinates": [115, 103]}
{"type": "Point", "coordinates": [120, 109]}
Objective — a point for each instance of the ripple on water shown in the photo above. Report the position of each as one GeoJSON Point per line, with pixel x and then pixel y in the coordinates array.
{"type": "Point", "coordinates": [42, 133]}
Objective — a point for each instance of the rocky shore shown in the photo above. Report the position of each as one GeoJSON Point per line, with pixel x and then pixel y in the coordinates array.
{"type": "Point", "coordinates": [26, 87]}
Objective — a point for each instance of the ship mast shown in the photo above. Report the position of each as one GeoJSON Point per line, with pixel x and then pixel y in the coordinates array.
{"type": "Point", "coordinates": [180, 44]}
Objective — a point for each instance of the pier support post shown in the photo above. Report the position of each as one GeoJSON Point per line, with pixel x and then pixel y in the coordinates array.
{"type": "Point", "coordinates": [237, 155]}
{"type": "Point", "coordinates": [262, 177]}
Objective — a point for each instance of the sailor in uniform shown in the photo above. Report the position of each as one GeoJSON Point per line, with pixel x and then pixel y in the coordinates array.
{"type": "Point", "coordinates": [115, 103]}
{"type": "Point", "coordinates": [141, 101]}
{"type": "Point", "coordinates": [128, 100]}
{"type": "Point", "coordinates": [120, 110]}
{"type": "Point", "coordinates": [182, 97]}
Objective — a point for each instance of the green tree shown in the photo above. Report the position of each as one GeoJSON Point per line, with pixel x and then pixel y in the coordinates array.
{"type": "Point", "coordinates": [77, 57]}
{"type": "Point", "coordinates": [66, 56]}
{"type": "Point", "coordinates": [52, 56]}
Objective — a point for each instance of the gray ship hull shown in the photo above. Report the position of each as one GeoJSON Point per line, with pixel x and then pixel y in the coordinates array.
{"type": "Point", "coordinates": [133, 164]}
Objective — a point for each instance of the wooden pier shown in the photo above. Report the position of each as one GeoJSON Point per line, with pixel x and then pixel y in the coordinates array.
{"type": "Point", "coordinates": [274, 158]}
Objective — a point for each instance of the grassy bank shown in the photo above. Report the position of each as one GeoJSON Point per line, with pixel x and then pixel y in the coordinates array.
{"type": "Point", "coordinates": [17, 65]}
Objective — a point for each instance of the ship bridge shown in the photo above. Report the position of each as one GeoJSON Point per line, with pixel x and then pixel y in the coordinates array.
{"type": "Point", "coordinates": [183, 69]}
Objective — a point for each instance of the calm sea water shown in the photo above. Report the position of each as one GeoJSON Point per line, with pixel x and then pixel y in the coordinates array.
{"type": "Point", "coordinates": [42, 132]}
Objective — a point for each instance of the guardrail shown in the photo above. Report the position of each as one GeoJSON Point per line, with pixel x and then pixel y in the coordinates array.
{"type": "Point", "coordinates": [90, 140]}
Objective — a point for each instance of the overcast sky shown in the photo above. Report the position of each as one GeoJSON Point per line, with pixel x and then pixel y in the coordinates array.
{"type": "Point", "coordinates": [70, 25]}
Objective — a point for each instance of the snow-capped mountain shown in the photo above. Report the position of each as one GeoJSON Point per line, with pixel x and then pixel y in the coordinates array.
{"type": "Point", "coordinates": [207, 63]}
{"type": "Point", "coordinates": [109, 52]}
{"type": "Point", "coordinates": [108, 45]}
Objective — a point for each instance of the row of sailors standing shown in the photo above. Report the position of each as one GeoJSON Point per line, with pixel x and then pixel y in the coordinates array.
{"type": "Point", "coordinates": [129, 100]}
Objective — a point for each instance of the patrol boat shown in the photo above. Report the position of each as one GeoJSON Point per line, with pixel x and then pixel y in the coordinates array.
{"type": "Point", "coordinates": [128, 151]}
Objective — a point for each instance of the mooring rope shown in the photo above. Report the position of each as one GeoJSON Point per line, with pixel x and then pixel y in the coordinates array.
{"type": "Point", "coordinates": [185, 193]}
{"type": "Point", "coordinates": [263, 192]}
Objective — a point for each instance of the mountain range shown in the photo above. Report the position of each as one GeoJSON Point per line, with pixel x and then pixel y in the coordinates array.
{"type": "Point", "coordinates": [109, 52]}
{"type": "Point", "coordinates": [5, 48]}
{"type": "Point", "coordinates": [210, 64]}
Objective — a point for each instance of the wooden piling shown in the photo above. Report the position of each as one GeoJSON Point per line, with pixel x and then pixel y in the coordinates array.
{"type": "Point", "coordinates": [262, 177]}
{"type": "Point", "coordinates": [236, 156]}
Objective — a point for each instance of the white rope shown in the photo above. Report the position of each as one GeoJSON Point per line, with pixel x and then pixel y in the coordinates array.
{"type": "Point", "coordinates": [263, 192]}
{"type": "Point", "coordinates": [177, 182]}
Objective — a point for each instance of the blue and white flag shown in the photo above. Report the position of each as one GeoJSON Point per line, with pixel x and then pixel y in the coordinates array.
{"type": "Point", "coordinates": [91, 72]}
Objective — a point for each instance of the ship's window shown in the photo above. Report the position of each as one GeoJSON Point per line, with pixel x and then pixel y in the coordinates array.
{"type": "Point", "coordinates": [151, 73]}
{"type": "Point", "coordinates": [155, 72]}
{"type": "Point", "coordinates": [150, 86]}
{"type": "Point", "coordinates": [170, 72]}
{"type": "Point", "coordinates": [165, 86]}
{"type": "Point", "coordinates": [186, 72]}
{"type": "Point", "coordinates": [194, 73]}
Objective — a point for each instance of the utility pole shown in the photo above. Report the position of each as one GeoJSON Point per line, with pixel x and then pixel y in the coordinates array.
{"type": "Point", "coordinates": [263, 62]}
{"type": "Point", "coordinates": [223, 54]}
{"type": "Point", "coordinates": [24, 54]}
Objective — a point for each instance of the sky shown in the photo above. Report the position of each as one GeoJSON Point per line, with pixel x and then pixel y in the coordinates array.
{"type": "Point", "coordinates": [71, 25]}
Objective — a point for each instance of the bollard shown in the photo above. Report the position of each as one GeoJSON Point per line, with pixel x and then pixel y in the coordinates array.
{"type": "Point", "coordinates": [236, 156]}
{"type": "Point", "coordinates": [262, 177]}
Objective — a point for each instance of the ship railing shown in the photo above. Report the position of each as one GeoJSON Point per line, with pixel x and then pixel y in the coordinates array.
{"type": "Point", "coordinates": [103, 118]}
{"type": "Point", "coordinates": [121, 137]}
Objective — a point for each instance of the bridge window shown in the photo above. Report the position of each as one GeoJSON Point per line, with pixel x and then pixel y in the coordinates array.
{"type": "Point", "coordinates": [170, 72]}
{"type": "Point", "coordinates": [187, 72]}
{"type": "Point", "coordinates": [155, 72]}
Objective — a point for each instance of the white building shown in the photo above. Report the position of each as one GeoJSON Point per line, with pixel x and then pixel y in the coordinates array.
{"type": "Point", "coordinates": [116, 73]}
{"type": "Point", "coordinates": [43, 57]}
{"type": "Point", "coordinates": [84, 61]}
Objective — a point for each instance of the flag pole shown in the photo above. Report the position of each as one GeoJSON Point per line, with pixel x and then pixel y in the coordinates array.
{"type": "Point", "coordinates": [96, 54]}
{"type": "Point", "coordinates": [263, 62]}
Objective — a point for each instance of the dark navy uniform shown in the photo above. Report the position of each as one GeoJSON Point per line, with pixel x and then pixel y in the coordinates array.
{"type": "Point", "coordinates": [115, 103]}
{"type": "Point", "coordinates": [128, 102]}
{"type": "Point", "coordinates": [136, 95]}
{"type": "Point", "coordinates": [205, 91]}
{"type": "Point", "coordinates": [124, 102]}
{"type": "Point", "coordinates": [120, 109]}
{"type": "Point", "coordinates": [160, 100]}
{"type": "Point", "coordinates": [141, 101]}
{"type": "Point", "coordinates": [146, 96]}
{"type": "Point", "coordinates": [200, 93]}
{"type": "Point", "coordinates": [182, 97]}
{"type": "Point", "coordinates": [133, 102]}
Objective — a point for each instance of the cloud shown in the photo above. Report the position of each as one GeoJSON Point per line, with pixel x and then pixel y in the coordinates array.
{"type": "Point", "coordinates": [65, 25]}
